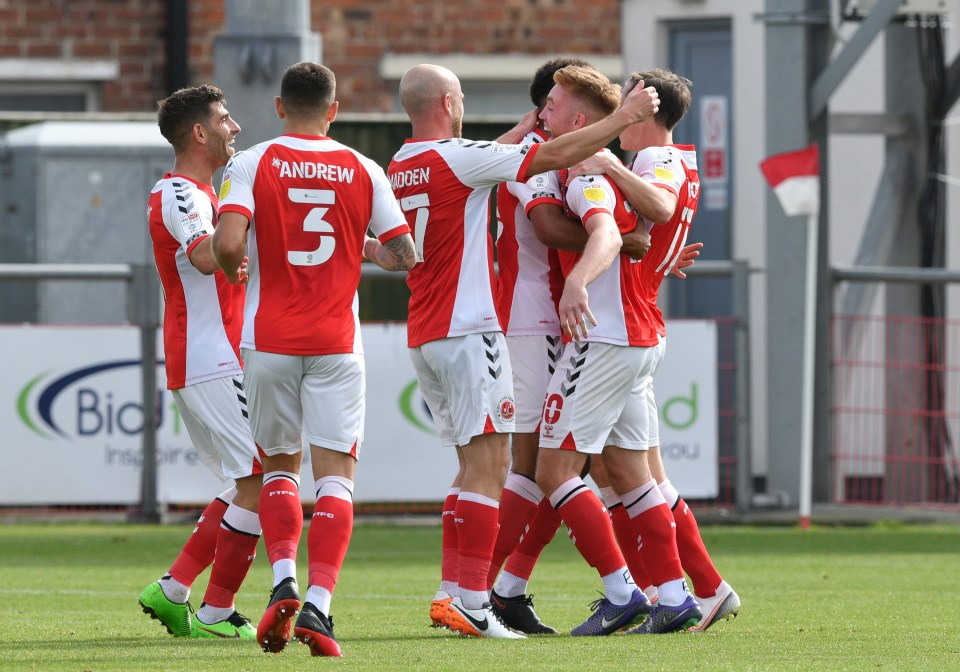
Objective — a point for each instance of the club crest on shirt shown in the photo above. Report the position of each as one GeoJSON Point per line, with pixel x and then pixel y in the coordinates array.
{"type": "Point", "coordinates": [506, 409]}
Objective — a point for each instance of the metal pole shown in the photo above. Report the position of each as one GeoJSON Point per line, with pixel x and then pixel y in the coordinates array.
{"type": "Point", "coordinates": [809, 333]}
{"type": "Point", "coordinates": [741, 312]}
{"type": "Point", "coordinates": [144, 311]}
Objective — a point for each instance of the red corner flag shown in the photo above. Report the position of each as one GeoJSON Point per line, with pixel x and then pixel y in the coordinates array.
{"type": "Point", "coordinates": [795, 178]}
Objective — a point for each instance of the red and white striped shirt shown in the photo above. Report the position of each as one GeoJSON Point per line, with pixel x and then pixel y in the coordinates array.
{"type": "Point", "coordinates": [443, 187]}
{"type": "Point", "coordinates": [672, 167]}
{"type": "Point", "coordinates": [202, 313]}
{"type": "Point", "coordinates": [310, 201]}
{"type": "Point", "coordinates": [529, 281]}
{"type": "Point", "coordinates": [623, 318]}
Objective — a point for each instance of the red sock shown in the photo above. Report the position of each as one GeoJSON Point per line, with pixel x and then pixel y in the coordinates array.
{"type": "Point", "coordinates": [281, 515]}
{"type": "Point", "coordinates": [626, 535]}
{"type": "Point", "coordinates": [544, 527]}
{"type": "Point", "coordinates": [198, 553]}
{"type": "Point", "coordinates": [235, 553]}
{"type": "Point", "coordinates": [693, 554]}
{"type": "Point", "coordinates": [327, 540]}
{"type": "Point", "coordinates": [516, 515]}
{"type": "Point", "coordinates": [476, 534]}
{"type": "Point", "coordinates": [588, 525]}
{"type": "Point", "coordinates": [448, 543]}
{"type": "Point", "coordinates": [653, 523]}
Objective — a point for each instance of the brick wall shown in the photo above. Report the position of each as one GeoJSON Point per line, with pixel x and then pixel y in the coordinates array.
{"type": "Point", "coordinates": [355, 35]}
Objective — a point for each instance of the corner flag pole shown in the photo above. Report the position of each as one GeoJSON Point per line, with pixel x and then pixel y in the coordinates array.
{"type": "Point", "coordinates": [809, 322]}
{"type": "Point", "coordinates": [795, 178]}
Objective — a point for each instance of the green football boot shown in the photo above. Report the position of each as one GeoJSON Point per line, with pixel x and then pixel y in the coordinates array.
{"type": "Point", "coordinates": [174, 616]}
{"type": "Point", "coordinates": [234, 626]}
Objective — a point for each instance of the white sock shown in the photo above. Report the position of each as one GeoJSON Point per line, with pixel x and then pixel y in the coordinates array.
{"type": "Point", "coordinates": [174, 590]}
{"type": "Point", "coordinates": [283, 569]}
{"type": "Point", "coordinates": [509, 585]}
{"type": "Point", "coordinates": [207, 614]}
{"type": "Point", "coordinates": [619, 586]}
{"type": "Point", "coordinates": [320, 598]}
{"type": "Point", "coordinates": [448, 588]}
{"type": "Point", "coordinates": [473, 599]}
{"type": "Point", "coordinates": [673, 593]}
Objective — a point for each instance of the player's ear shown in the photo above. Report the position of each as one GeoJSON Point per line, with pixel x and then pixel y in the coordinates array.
{"type": "Point", "coordinates": [332, 112]}
{"type": "Point", "coordinates": [199, 133]}
{"type": "Point", "coordinates": [278, 106]}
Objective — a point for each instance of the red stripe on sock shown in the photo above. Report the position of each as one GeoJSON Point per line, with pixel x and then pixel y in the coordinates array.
{"type": "Point", "coordinates": [476, 534]}
{"type": "Point", "coordinates": [693, 554]}
{"type": "Point", "coordinates": [516, 513]}
{"type": "Point", "coordinates": [544, 527]}
{"type": "Point", "coordinates": [659, 550]}
{"type": "Point", "coordinates": [448, 543]}
{"type": "Point", "coordinates": [281, 517]}
{"type": "Point", "coordinates": [198, 553]}
{"type": "Point", "coordinates": [626, 534]}
{"type": "Point", "coordinates": [330, 529]}
{"type": "Point", "coordinates": [235, 554]}
{"type": "Point", "coordinates": [591, 531]}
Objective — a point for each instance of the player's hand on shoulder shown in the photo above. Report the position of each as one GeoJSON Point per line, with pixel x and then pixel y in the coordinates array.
{"type": "Point", "coordinates": [516, 134]}
{"type": "Point", "coordinates": [598, 164]}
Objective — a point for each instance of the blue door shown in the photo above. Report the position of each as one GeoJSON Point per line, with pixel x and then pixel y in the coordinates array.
{"type": "Point", "coordinates": [701, 52]}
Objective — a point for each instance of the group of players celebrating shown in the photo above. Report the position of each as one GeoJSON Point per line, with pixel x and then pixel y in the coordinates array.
{"type": "Point", "coordinates": [536, 376]}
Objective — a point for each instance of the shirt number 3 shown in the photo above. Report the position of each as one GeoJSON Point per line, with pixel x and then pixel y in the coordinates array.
{"type": "Point", "coordinates": [315, 223]}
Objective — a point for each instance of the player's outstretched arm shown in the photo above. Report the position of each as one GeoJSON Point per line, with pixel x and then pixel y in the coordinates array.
{"type": "Point", "coordinates": [397, 254]}
{"type": "Point", "coordinates": [650, 201]}
{"type": "Point", "coordinates": [229, 242]}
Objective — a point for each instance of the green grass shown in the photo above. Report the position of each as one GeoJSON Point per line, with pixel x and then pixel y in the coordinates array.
{"type": "Point", "coordinates": [885, 597]}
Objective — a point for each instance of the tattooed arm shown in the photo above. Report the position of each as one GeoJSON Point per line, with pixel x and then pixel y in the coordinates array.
{"type": "Point", "coordinates": [397, 254]}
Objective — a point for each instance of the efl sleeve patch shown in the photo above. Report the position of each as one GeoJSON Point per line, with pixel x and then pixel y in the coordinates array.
{"type": "Point", "coordinates": [224, 187]}
{"type": "Point", "coordinates": [663, 173]}
{"type": "Point", "coordinates": [593, 194]}
{"type": "Point", "coordinates": [190, 224]}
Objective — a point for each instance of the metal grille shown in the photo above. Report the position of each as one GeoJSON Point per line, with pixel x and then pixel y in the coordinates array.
{"type": "Point", "coordinates": [895, 411]}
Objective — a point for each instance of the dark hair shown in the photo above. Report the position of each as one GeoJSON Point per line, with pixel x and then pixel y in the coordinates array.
{"type": "Point", "coordinates": [178, 112]}
{"type": "Point", "coordinates": [674, 92]}
{"type": "Point", "coordinates": [308, 89]}
{"type": "Point", "coordinates": [543, 78]}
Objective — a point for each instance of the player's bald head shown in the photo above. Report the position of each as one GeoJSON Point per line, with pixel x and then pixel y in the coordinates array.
{"type": "Point", "coordinates": [422, 85]}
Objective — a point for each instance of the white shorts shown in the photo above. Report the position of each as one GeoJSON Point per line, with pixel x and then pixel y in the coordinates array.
{"type": "Point", "coordinates": [467, 383]}
{"type": "Point", "coordinates": [215, 415]}
{"type": "Point", "coordinates": [601, 395]}
{"type": "Point", "coordinates": [318, 399]}
{"type": "Point", "coordinates": [533, 359]}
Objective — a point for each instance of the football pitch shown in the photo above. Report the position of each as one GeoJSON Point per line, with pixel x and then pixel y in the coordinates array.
{"type": "Point", "coordinates": [881, 597]}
